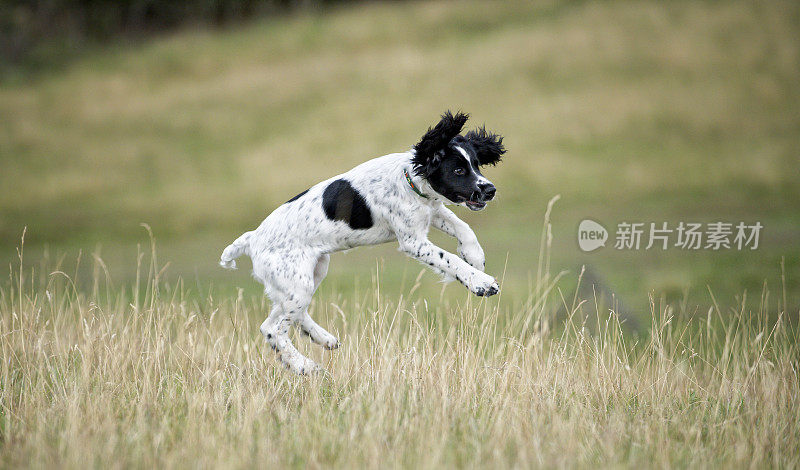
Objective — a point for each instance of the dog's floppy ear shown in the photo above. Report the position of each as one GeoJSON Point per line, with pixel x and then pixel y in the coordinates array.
{"type": "Point", "coordinates": [437, 139]}
{"type": "Point", "coordinates": [488, 146]}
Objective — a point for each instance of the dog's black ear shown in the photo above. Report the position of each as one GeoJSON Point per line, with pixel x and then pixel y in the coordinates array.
{"type": "Point", "coordinates": [436, 140]}
{"type": "Point", "coordinates": [488, 146]}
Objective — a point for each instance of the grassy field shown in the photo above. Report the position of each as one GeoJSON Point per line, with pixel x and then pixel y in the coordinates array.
{"type": "Point", "coordinates": [630, 111]}
{"type": "Point", "coordinates": [685, 111]}
{"type": "Point", "coordinates": [107, 379]}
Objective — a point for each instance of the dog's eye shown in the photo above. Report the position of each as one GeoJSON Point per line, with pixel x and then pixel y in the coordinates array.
{"type": "Point", "coordinates": [459, 171]}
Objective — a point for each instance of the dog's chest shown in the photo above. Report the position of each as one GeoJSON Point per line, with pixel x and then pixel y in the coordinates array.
{"type": "Point", "coordinates": [345, 238]}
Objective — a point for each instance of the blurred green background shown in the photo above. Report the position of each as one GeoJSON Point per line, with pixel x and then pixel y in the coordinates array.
{"type": "Point", "coordinates": [644, 111]}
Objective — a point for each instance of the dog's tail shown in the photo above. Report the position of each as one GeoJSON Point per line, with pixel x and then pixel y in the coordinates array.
{"type": "Point", "coordinates": [234, 250]}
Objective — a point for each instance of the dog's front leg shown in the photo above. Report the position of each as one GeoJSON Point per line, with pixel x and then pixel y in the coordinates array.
{"type": "Point", "coordinates": [468, 246]}
{"type": "Point", "coordinates": [420, 248]}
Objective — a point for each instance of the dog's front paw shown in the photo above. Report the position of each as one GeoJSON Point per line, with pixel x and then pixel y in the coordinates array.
{"type": "Point", "coordinates": [473, 254]}
{"type": "Point", "coordinates": [484, 285]}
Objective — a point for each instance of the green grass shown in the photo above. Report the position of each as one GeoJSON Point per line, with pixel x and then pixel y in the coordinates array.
{"type": "Point", "coordinates": [653, 111]}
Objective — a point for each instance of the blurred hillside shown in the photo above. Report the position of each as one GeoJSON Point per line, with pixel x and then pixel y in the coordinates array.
{"type": "Point", "coordinates": [649, 111]}
{"type": "Point", "coordinates": [35, 32]}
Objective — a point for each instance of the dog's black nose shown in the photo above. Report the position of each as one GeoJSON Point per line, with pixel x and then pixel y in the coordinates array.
{"type": "Point", "coordinates": [487, 191]}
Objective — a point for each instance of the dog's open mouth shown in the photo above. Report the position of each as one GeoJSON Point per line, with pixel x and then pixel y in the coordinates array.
{"type": "Point", "coordinates": [475, 205]}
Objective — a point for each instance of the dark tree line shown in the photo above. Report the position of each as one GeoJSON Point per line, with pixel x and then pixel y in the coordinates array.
{"type": "Point", "coordinates": [28, 24]}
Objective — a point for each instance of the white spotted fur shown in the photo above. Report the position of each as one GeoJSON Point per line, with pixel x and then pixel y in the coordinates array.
{"type": "Point", "coordinates": [290, 249]}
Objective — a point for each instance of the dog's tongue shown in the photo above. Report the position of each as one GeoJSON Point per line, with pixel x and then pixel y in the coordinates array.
{"type": "Point", "coordinates": [475, 205]}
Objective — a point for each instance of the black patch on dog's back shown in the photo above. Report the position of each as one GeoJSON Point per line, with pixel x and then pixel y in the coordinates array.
{"type": "Point", "coordinates": [296, 197]}
{"type": "Point", "coordinates": [341, 201]}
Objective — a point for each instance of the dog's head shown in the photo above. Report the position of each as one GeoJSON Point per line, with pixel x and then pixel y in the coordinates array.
{"type": "Point", "coordinates": [450, 162]}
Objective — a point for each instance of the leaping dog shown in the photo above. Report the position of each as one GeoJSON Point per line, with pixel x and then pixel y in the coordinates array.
{"type": "Point", "coordinates": [394, 197]}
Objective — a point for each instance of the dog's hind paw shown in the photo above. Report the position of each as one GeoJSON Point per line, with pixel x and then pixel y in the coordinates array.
{"type": "Point", "coordinates": [318, 334]}
{"type": "Point", "coordinates": [300, 364]}
{"type": "Point", "coordinates": [311, 369]}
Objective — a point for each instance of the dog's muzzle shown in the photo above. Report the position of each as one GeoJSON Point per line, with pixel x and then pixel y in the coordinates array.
{"type": "Point", "coordinates": [479, 198]}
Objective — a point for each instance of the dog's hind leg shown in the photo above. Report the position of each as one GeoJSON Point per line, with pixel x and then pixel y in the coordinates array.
{"type": "Point", "coordinates": [276, 330]}
{"type": "Point", "coordinates": [290, 288]}
{"type": "Point", "coordinates": [307, 324]}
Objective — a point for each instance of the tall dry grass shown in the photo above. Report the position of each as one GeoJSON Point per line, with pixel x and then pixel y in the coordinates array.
{"type": "Point", "coordinates": [148, 375]}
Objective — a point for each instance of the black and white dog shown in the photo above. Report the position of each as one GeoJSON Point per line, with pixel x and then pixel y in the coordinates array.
{"type": "Point", "coordinates": [394, 197]}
